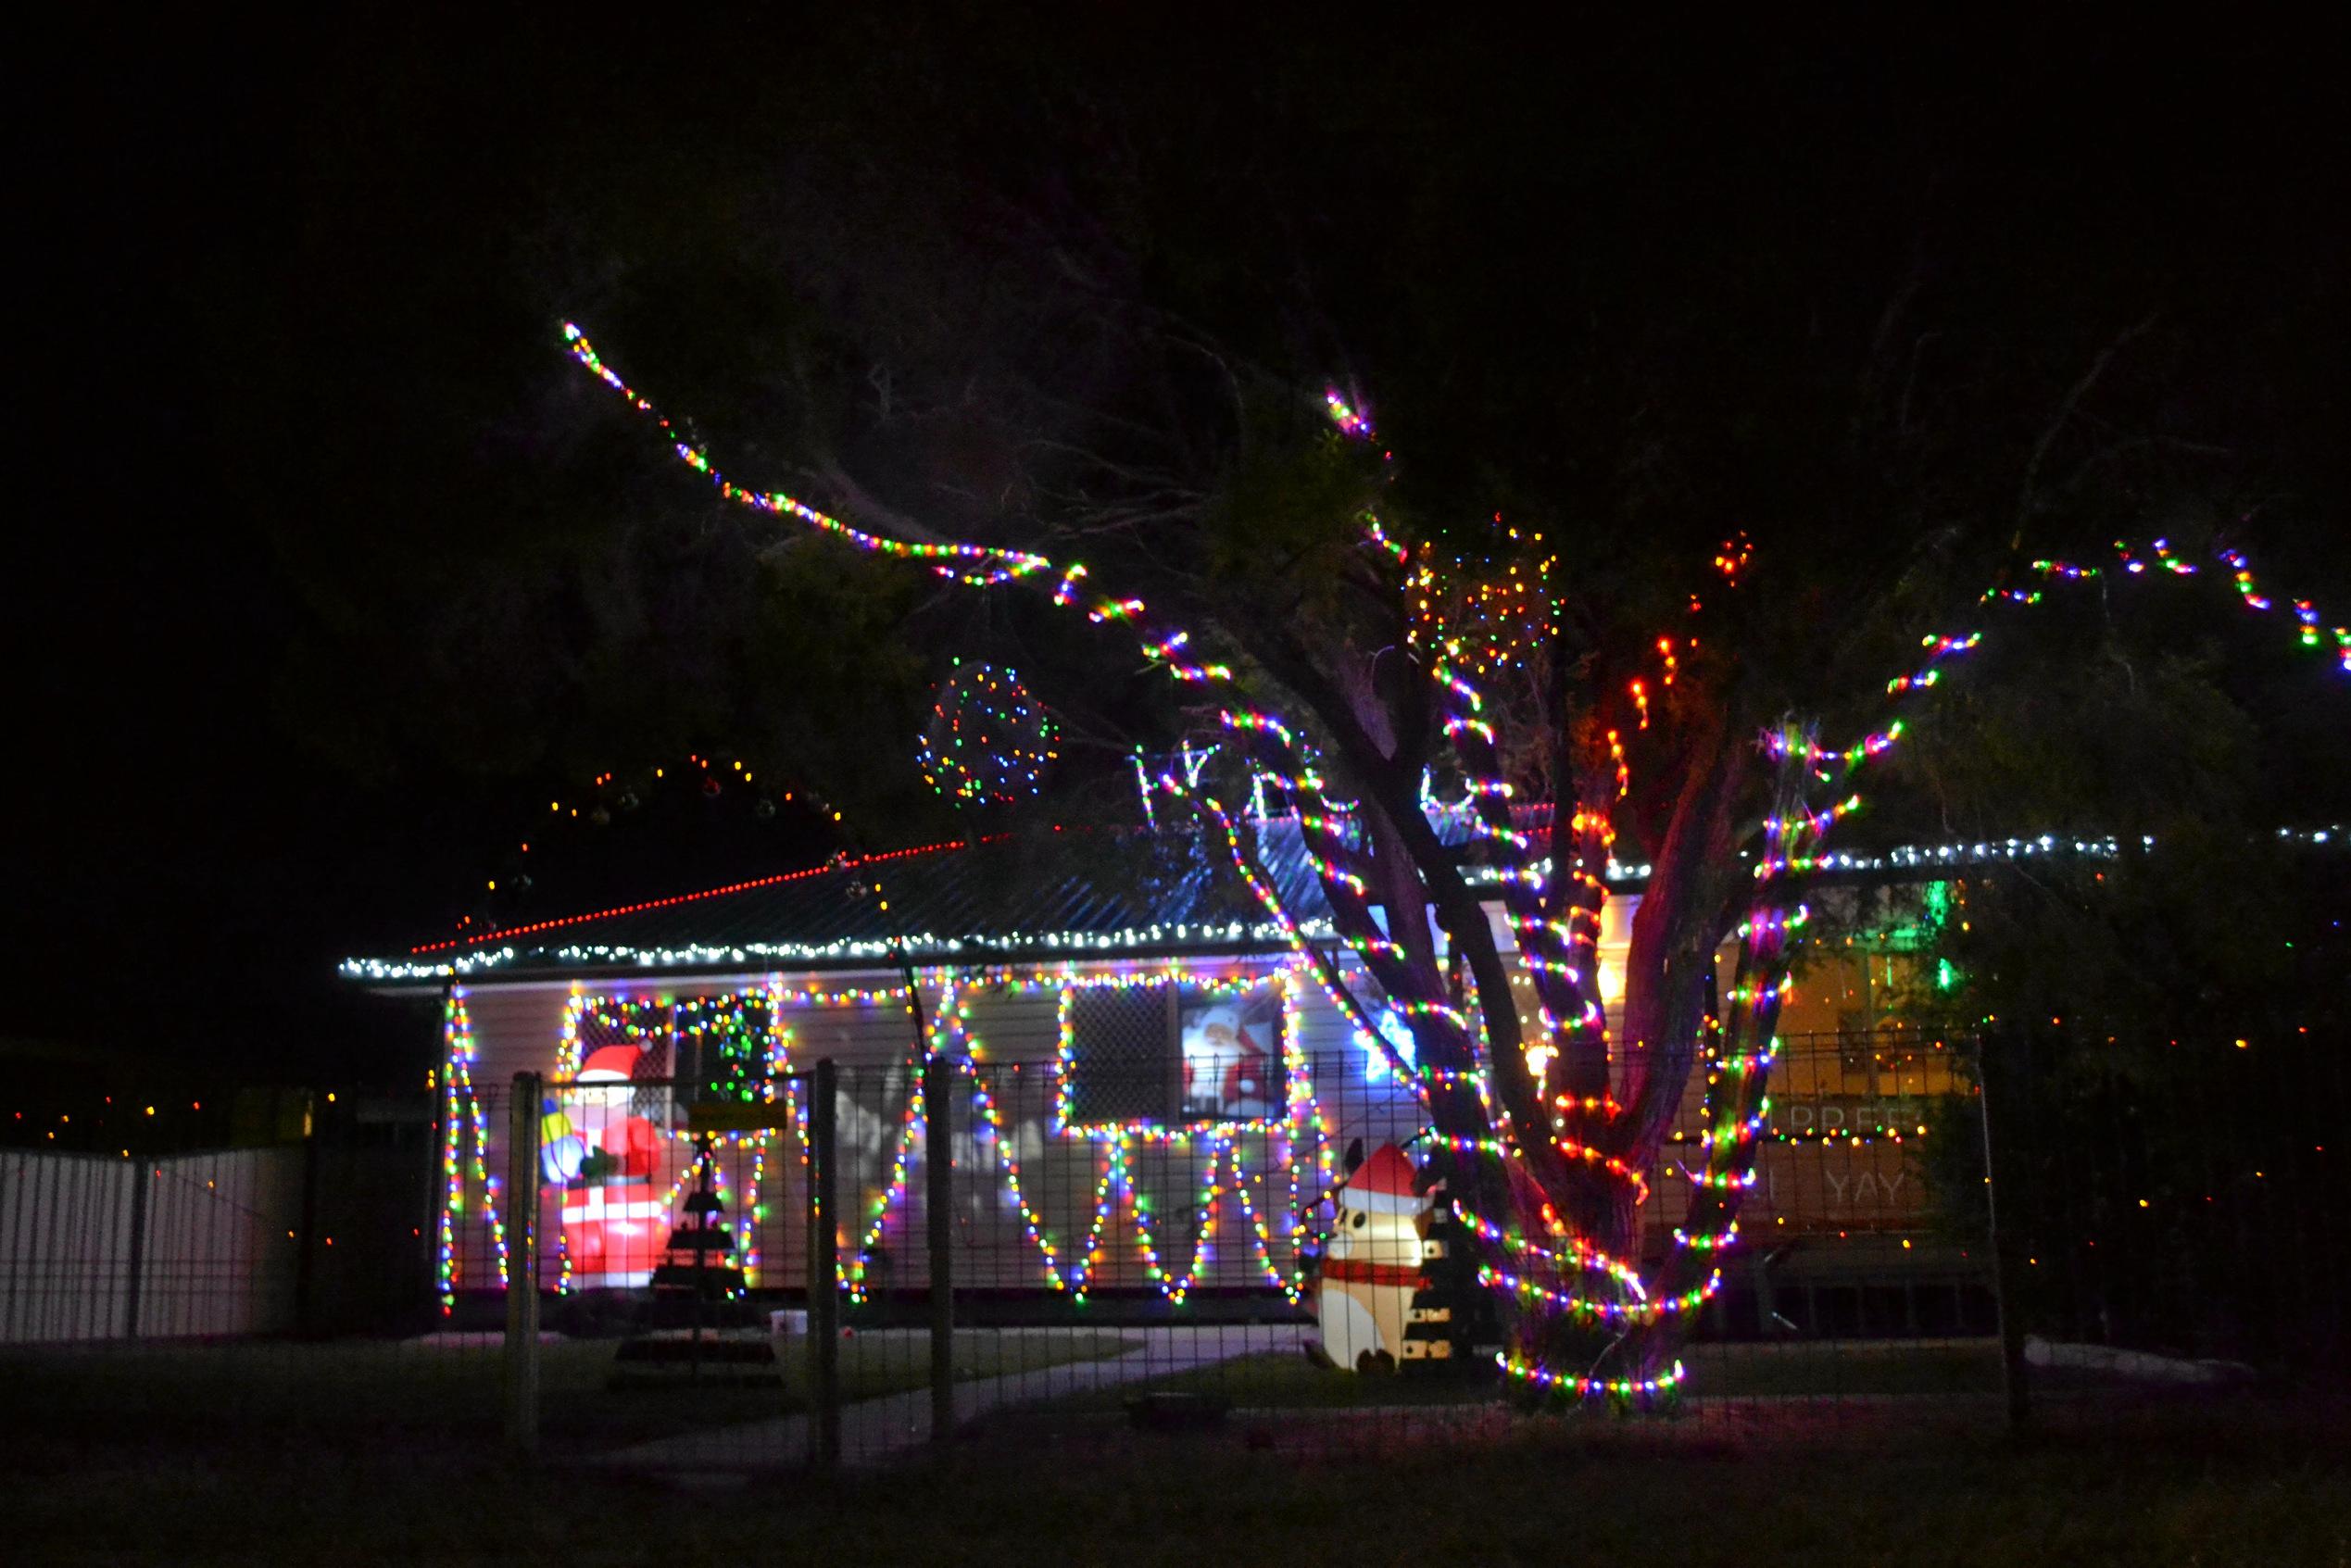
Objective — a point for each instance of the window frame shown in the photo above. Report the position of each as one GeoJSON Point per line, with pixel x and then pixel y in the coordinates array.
{"type": "Point", "coordinates": [1180, 985]}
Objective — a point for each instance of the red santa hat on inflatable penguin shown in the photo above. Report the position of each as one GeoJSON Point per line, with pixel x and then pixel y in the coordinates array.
{"type": "Point", "coordinates": [1383, 1185]}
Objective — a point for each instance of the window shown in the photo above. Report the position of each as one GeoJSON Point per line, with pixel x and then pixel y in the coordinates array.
{"type": "Point", "coordinates": [722, 1050]}
{"type": "Point", "coordinates": [1117, 1064]}
{"type": "Point", "coordinates": [676, 1053]}
{"type": "Point", "coordinates": [1173, 1053]}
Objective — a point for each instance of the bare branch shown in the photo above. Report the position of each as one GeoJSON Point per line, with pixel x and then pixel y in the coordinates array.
{"type": "Point", "coordinates": [2066, 407]}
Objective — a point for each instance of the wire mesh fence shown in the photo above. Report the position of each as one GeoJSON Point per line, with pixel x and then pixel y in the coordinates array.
{"type": "Point", "coordinates": [2163, 1204]}
{"type": "Point", "coordinates": [684, 1269]}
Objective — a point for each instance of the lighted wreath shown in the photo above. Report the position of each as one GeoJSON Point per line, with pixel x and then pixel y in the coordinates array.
{"type": "Point", "coordinates": [988, 740]}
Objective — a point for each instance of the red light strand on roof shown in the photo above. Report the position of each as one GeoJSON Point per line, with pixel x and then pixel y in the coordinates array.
{"type": "Point", "coordinates": [691, 897]}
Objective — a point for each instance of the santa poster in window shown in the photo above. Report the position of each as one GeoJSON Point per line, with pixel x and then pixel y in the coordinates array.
{"type": "Point", "coordinates": [1232, 1056]}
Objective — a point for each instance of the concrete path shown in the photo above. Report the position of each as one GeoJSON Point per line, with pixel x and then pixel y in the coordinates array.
{"type": "Point", "coordinates": [876, 1431]}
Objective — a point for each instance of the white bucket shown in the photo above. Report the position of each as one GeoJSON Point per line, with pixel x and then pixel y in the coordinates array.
{"type": "Point", "coordinates": [787, 1330]}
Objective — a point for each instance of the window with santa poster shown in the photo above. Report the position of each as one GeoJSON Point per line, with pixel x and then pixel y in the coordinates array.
{"type": "Point", "coordinates": [1170, 1051]}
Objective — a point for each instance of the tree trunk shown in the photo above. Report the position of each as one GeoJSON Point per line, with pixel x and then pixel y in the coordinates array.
{"type": "Point", "coordinates": [1674, 936]}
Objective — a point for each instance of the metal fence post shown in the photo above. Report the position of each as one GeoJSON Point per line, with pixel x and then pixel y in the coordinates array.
{"type": "Point", "coordinates": [305, 1259]}
{"type": "Point", "coordinates": [938, 1209]}
{"type": "Point", "coordinates": [2015, 1379]}
{"type": "Point", "coordinates": [823, 1272]}
{"type": "Point", "coordinates": [522, 1266]}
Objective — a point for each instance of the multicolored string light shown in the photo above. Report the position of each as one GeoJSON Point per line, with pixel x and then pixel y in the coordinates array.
{"type": "Point", "coordinates": [1580, 1387]}
{"type": "Point", "coordinates": [976, 564]}
{"type": "Point", "coordinates": [989, 741]}
{"type": "Point", "coordinates": [464, 1130]}
{"type": "Point", "coordinates": [1278, 757]}
{"type": "Point", "coordinates": [952, 1036]}
{"type": "Point", "coordinates": [2309, 631]}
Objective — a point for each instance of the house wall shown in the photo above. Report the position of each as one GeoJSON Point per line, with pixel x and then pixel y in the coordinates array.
{"type": "Point", "coordinates": [1811, 1187]}
{"type": "Point", "coordinates": [518, 1028]}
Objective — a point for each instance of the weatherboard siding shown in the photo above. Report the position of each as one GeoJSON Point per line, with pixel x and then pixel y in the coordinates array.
{"type": "Point", "coordinates": [518, 1028]}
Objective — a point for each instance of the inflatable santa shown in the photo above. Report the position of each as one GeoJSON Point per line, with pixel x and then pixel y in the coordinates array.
{"type": "Point", "coordinates": [1372, 1266]}
{"type": "Point", "coordinates": [599, 1155]}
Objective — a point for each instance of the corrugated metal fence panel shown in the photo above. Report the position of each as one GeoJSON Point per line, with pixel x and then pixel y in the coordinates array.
{"type": "Point", "coordinates": [222, 1243]}
{"type": "Point", "coordinates": [65, 1244]}
{"type": "Point", "coordinates": [213, 1250]}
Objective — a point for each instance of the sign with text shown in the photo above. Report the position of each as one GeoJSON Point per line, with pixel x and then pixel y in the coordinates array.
{"type": "Point", "coordinates": [738, 1116]}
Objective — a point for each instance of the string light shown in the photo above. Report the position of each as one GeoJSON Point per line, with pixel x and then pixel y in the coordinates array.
{"type": "Point", "coordinates": [752, 1059]}
{"type": "Point", "coordinates": [1597, 1309]}
{"type": "Point", "coordinates": [463, 1126]}
{"type": "Point", "coordinates": [1937, 649]}
{"type": "Point", "coordinates": [975, 564]}
{"type": "Point", "coordinates": [988, 740]}
{"type": "Point", "coordinates": [952, 1036]}
{"type": "Point", "coordinates": [1624, 1388]}
{"type": "Point", "coordinates": [2310, 632]}
{"type": "Point", "coordinates": [509, 933]}
{"type": "Point", "coordinates": [1568, 1252]}
{"type": "Point", "coordinates": [641, 1018]}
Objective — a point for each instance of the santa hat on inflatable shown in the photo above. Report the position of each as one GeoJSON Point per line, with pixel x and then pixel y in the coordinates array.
{"type": "Point", "coordinates": [1383, 1185]}
{"type": "Point", "coordinates": [609, 1064]}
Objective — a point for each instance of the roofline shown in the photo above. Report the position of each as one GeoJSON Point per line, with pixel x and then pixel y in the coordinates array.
{"type": "Point", "coordinates": [838, 863]}
{"type": "Point", "coordinates": [528, 976]}
{"type": "Point", "coordinates": [928, 950]}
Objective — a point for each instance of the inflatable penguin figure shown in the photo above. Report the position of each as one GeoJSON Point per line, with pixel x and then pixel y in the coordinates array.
{"type": "Point", "coordinates": [1372, 1267]}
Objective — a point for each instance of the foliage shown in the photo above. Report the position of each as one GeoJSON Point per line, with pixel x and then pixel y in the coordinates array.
{"type": "Point", "coordinates": [2152, 1186]}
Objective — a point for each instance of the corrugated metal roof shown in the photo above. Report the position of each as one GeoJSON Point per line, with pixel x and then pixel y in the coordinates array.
{"type": "Point", "coordinates": [1028, 896]}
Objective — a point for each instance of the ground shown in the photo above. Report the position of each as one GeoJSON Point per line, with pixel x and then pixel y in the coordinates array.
{"type": "Point", "coordinates": [2209, 1478]}
{"type": "Point", "coordinates": [388, 1393]}
{"type": "Point", "coordinates": [2208, 1487]}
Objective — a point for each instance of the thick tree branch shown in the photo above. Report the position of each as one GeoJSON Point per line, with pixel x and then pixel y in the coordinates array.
{"type": "Point", "coordinates": [2064, 415]}
{"type": "Point", "coordinates": [1457, 908]}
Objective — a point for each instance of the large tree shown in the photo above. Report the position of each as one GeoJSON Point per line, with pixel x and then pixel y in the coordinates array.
{"type": "Point", "coordinates": [1254, 539]}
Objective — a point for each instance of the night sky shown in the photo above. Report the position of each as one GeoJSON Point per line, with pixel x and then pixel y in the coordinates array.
{"type": "Point", "coordinates": [248, 240]}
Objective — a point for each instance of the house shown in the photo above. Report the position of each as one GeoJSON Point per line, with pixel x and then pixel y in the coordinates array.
{"type": "Point", "coordinates": [1153, 1090]}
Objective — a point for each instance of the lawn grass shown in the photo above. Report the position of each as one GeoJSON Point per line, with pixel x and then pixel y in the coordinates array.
{"type": "Point", "coordinates": [1842, 1369]}
{"type": "Point", "coordinates": [299, 1453]}
{"type": "Point", "coordinates": [2213, 1482]}
{"type": "Point", "coordinates": [285, 1395]}
{"type": "Point", "coordinates": [1287, 1380]}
